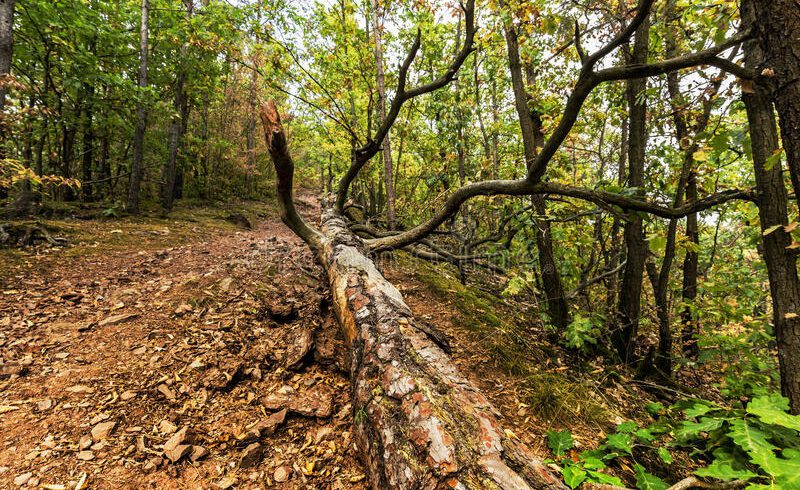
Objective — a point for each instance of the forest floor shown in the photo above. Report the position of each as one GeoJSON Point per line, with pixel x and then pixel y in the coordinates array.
{"type": "Point", "coordinates": [189, 352]}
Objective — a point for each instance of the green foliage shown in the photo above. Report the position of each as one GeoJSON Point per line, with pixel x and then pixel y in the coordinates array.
{"type": "Point", "coordinates": [758, 442]}
{"type": "Point", "coordinates": [585, 468]}
{"type": "Point", "coordinates": [646, 481]}
{"type": "Point", "coordinates": [582, 333]}
{"type": "Point", "coordinates": [559, 441]}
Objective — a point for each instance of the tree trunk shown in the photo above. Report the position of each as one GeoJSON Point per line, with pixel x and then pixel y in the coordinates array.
{"type": "Point", "coordinates": [388, 166]}
{"type": "Point", "coordinates": [495, 135]}
{"type": "Point", "coordinates": [177, 125]}
{"type": "Point", "coordinates": [137, 169]}
{"type": "Point", "coordinates": [204, 144]}
{"type": "Point", "coordinates": [532, 139]}
{"type": "Point", "coordinates": [630, 295]}
{"type": "Point", "coordinates": [22, 205]}
{"type": "Point", "coordinates": [6, 44]}
{"type": "Point", "coordinates": [418, 422]}
{"type": "Point", "coordinates": [68, 133]}
{"type": "Point", "coordinates": [168, 177]}
{"type": "Point", "coordinates": [88, 143]}
{"type": "Point", "coordinates": [689, 324]}
{"type": "Point", "coordinates": [777, 28]}
{"type": "Point", "coordinates": [250, 131]}
{"type": "Point", "coordinates": [780, 261]}
{"type": "Point", "coordinates": [615, 248]}
{"type": "Point", "coordinates": [105, 162]}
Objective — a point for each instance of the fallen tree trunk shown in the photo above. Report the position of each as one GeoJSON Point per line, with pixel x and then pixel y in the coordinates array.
{"type": "Point", "coordinates": [418, 422]}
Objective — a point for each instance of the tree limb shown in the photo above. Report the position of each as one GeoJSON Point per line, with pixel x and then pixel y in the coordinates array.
{"type": "Point", "coordinates": [580, 287]}
{"type": "Point", "coordinates": [524, 187]}
{"type": "Point", "coordinates": [284, 169]}
{"type": "Point", "coordinates": [362, 155]}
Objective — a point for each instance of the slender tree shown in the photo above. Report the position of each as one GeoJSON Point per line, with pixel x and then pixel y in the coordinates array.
{"type": "Point", "coordinates": [137, 169]}
{"type": "Point", "coordinates": [386, 153]}
{"type": "Point", "coordinates": [177, 123]}
{"type": "Point", "coordinates": [630, 295]}
{"type": "Point", "coordinates": [533, 139]}
{"type": "Point", "coordinates": [6, 45]}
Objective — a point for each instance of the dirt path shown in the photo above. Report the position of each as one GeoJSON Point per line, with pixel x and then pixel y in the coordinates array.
{"type": "Point", "coordinates": [171, 367]}
{"type": "Point", "coordinates": [140, 329]}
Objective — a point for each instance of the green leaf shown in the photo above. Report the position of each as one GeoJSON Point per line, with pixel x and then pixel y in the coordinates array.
{"type": "Point", "coordinates": [664, 455]}
{"type": "Point", "coordinates": [773, 159]}
{"type": "Point", "coordinates": [559, 441]}
{"type": "Point", "coordinates": [688, 429]}
{"type": "Point", "coordinates": [573, 476]}
{"type": "Point", "coordinates": [698, 409]}
{"type": "Point", "coordinates": [786, 470]}
{"type": "Point", "coordinates": [515, 285]}
{"type": "Point", "coordinates": [597, 477]}
{"type": "Point", "coordinates": [658, 244]}
{"type": "Point", "coordinates": [623, 442]}
{"type": "Point", "coordinates": [725, 470]}
{"type": "Point", "coordinates": [700, 156]}
{"type": "Point", "coordinates": [753, 441]}
{"type": "Point", "coordinates": [646, 435]}
{"type": "Point", "coordinates": [627, 427]}
{"type": "Point", "coordinates": [647, 481]}
{"type": "Point", "coordinates": [592, 463]}
{"type": "Point", "coordinates": [655, 409]}
{"type": "Point", "coordinates": [771, 229]}
{"type": "Point", "coordinates": [772, 410]}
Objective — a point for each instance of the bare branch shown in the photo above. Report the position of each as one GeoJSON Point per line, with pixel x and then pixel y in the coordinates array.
{"type": "Point", "coordinates": [580, 287]}
{"type": "Point", "coordinates": [705, 57]}
{"type": "Point", "coordinates": [365, 153]}
{"type": "Point", "coordinates": [284, 170]}
{"type": "Point", "coordinates": [578, 47]}
{"type": "Point", "coordinates": [524, 187]}
{"type": "Point", "coordinates": [588, 80]}
{"type": "Point", "coordinates": [642, 10]}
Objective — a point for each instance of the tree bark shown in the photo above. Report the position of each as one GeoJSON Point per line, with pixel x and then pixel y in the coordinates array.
{"type": "Point", "coordinates": [169, 173]}
{"type": "Point", "coordinates": [137, 169]}
{"type": "Point", "coordinates": [780, 261]}
{"type": "Point", "coordinates": [689, 323]}
{"type": "Point", "coordinates": [6, 45]}
{"type": "Point", "coordinates": [388, 166]}
{"type": "Point", "coordinates": [176, 125]}
{"type": "Point", "coordinates": [22, 205]}
{"type": "Point", "coordinates": [777, 28]}
{"type": "Point", "coordinates": [532, 139]}
{"type": "Point", "coordinates": [630, 295]}
{"type": "Point", "coordinates": [87, 159]}
{"type": "Point", "coordinates": [418, 422]}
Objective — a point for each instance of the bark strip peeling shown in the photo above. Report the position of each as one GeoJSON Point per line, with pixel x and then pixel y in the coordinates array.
{"type": "Point", "coordinates": [418, 422]}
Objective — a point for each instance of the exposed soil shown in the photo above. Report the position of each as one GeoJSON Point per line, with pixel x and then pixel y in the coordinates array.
{"type": "Point", "coordinates": [106, 356]}
{"type": "Point", "coordinates": [139, 329]}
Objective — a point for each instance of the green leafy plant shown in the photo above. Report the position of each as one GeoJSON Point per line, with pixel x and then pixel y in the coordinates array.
{"type": "Point", "coordinates": [114, 211]}
{"type": "Point", "coordinates": [578, 468]}
{"type": "Point", "coordinates": [758, 443]}
{"type": "Point", "coordinates": [582, 333]}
